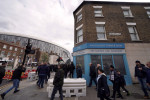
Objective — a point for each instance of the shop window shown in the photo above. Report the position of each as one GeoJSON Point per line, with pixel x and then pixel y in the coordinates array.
{"type": "Point", "coordinates": [119, 64]}
{"type": "Point", "coordinates": [95, 59]}
{"type": "Point", "coordinates": [80, 61]}
{"type": "Point", "coordinates": [107, 61]}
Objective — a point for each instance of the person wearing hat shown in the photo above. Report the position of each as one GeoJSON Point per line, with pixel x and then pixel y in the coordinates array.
{"type": "Point", "coordinates": [140, 73]}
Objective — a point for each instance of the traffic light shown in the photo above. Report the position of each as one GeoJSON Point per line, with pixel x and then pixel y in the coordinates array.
{"type": "Point", "coordinates": [28, 49]}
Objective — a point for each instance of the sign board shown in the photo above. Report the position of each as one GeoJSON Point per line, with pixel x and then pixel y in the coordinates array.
{"type": "Point", "coordinates": [99, 51]}
{"type": "Point", "coordinates": [115, 34]}
{"type": "Point", "coordinates": [99, 46]}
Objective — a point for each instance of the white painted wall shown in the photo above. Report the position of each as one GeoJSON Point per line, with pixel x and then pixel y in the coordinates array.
{"type": "Point", "coordinates": [137, 51]}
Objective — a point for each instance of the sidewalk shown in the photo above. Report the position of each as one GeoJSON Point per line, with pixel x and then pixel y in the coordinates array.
{"type": "Point", "coordinates": [29, 91]}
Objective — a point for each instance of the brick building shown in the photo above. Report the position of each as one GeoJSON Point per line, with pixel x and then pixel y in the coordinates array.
{"type": "Point", "coordinates": [111, 33]}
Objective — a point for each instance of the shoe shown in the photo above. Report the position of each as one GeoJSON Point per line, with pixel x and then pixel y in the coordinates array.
{"type": "Point", "coordinates": [16, 91]}
{"type": "Point", "coordinates": [3, 95]}
{"type": "Point", "coordinates": [146, 97]}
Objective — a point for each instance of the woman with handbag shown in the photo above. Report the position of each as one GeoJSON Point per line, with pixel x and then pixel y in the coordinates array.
{"type": "Point", "coordinates": [103, 91]}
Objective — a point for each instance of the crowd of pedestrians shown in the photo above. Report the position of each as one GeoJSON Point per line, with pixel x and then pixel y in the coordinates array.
{"type": "Point", "coordinates": [96, 73]}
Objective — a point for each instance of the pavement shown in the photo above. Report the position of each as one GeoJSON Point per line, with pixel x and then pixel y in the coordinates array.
{"type": "Point", "coordinates": [30, 91]}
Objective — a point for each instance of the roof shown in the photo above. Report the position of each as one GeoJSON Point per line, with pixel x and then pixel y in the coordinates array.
{"type": "Point", "coordinates": [32, 37]}
{"type": "Point", "coordinates": [110, 2]}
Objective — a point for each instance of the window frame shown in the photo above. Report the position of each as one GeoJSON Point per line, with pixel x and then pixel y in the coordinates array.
{"type": "Point", "coordinates": [127, 8]}
{"type": "Point", "coordinates": [135, 32]}
{"type": "Point", "coordinates": [79, 35]}
{"type": "Point", "coordinates": [147, 10]}
{"type": "Point", "coordinates": [79, 17]}
{"type": "Point", "coordinates": [4, 46]}
{"type": "Point", "coordinates": [11, 48]}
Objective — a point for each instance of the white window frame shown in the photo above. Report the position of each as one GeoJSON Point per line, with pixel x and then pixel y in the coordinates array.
{"type": "Point", "coordinates": [16, 49]}
{"type": "Point", "coordinates": [4, 46]}
{"type": "Point", "coordinates": [10, 48]}
{"type": "Point", "coordinates": [127, 8]}
{"type": "Point", "coordinates": [135, 30]}
{"type": "Point", "coordinates": [147, 10]}
{"type": "Point", "coordinates": [101, 24]}
{"type": "Point", "coordinates": [98, 8]}
{"type": "Point", "coordinates": [77, 29]}
{"type": "Point", "coordinates": [79, 17]}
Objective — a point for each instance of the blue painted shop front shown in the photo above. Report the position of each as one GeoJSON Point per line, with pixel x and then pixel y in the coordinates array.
{"type": "Point", "coordinates": [105, 54]}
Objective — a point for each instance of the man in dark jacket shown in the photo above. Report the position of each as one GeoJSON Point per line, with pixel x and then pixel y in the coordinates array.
{"type": "Point", "coordinates": [114, 78]}
{"type": "Point", "coordinates": [148, 75]}
{"type": "Point", "coordinates": [103, 91]}
{"type": "Point", "coordinates": [42, 72]}
{"type": "Point", "coordinates": [79, 71]}
{"type": "Point", "coordinates": [72, 69]}
{"type": "Point", "coordinates": [122, 83]}
{"type": "Point", "coordinates": [140, 72]}
{"type": "Point", "coordinates": [2, 71]}
{"type": "Point", "coordinates": [58, 83]}
{"type": "Point", "coordinates": [16, 79]}
{"type": "Point", "coordinates": [92, 75]}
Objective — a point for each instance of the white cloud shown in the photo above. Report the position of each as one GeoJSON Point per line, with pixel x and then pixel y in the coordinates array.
{"type": "Point", "coordinates": [47, 19]}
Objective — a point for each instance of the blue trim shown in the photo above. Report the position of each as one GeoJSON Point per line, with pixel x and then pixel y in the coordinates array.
{"type": "Point", "coordinates": [99, 46]}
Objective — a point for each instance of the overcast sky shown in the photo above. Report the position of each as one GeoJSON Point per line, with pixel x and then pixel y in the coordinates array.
{"type": "Point", "coordinates": [51, 20]}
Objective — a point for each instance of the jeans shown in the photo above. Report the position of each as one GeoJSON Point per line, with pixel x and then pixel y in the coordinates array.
{"type": "Point", "coordinates": [143, 85]}
{"type": "Point", "coordinates": [92, 79]}
{"type": "Point", "coordinates": [55, 91]}
{"type": "Point", "coordinates": [41, 80]}
{"type": "Point", "coordinates": [15, 85]}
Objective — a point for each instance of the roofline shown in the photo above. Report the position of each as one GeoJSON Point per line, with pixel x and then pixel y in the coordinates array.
{"type": "Point", "coordinates": [109, 2]}
{"type": "Point", "coordinates": [32, 37]}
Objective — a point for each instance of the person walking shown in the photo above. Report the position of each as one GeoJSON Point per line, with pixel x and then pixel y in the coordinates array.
{"type": "Point", "coordinates": [79, 71]}
{"type": "Point", "coordinates": [140, 73]}
{"type": "Point", "coordinates": [103, 91]}
{"type": "Point", "coordinates": [16, 79]}
{"type": "Point", "coordinates": [92, 75]}
{"type": "Point", "coordinates": [42, 72]}
{"type": "Point", "coordinates": [115, 79]}
{"type": "Point", "coordinates": [122, 83]}
{"type": "Point", "coordinates": [58, 83]}
{"type": "Point", "coordinates": [2, 71]}
{"type": "Point", "coordinates": [97, 67]}
{"type": "Point", "coordinates": [148, 75]}
{"type": "Point", "coordinates": [72, 67]}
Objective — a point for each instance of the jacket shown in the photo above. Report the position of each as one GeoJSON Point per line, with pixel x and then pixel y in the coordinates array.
{"type": "Point", "coordinates": [59, 78]}
{"type": "Point", "coordinates": [140, 73]}
{"type": "Point", "coordinates": [72, 67]}
{"type": "Point", "coordinates": [148, 76]}
{"type": "Point", "coordinates": [121, 80]}
{"type": "Point", "coordinates": [92, 71]}
{"type": "Point", "coordinates": [42, 70]}
{"type": "Point", "coordinates": [103, 88]}
{"type": "Point", "coordinates": [17, 73]}
{"type": "Point", "coordinates": [79, 72]}
{"type": "Point", "coordinates": [2, 71]}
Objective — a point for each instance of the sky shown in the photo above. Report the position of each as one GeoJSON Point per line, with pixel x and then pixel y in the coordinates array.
{"type": "Point", "coordinates": [50, 20]}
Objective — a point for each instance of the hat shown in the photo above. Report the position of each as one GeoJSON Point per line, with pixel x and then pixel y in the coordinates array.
{"type": "Point", "coordinates": [137, 61]}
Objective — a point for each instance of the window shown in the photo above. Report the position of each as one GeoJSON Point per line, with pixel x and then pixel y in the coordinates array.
{"type": "Point", "coordinates": [148, 13]}
{"type": "Point", "coordinates": [95, 59]}
{"type": "Point", "coordinates": [98, 11]}
{"type": "Point", "coordinates": [107, 61]}
{"type": "Point", "coordinates": [2, 53]}
{"type": "Point", "coordinates": [10, 48]}
{"type": "Point", "coordinates": [79, 35]}
{"type": "Point", "coordinates": [5, 46]}
{"type": "Point", "coordinates": [21, 50]}
{"type": "Point", "coordinates": [79, 17]}
{"type": "Point", "coordinates": [14, 54]}
{"type": "Point", "coordinates": [80, 62]}
{"type": "Point", "coordinates": [127, 12]}
{"type": "Point", "coordinates": [119, 64]}
{"type": "Point", "coordinates": [9, 53]}
{"type": "Point", "coordinates": [15, 49]}
{"type": "Point", "coordinates": [100, 29]}
{"type": "Point", "coordinates": [133, 33]}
